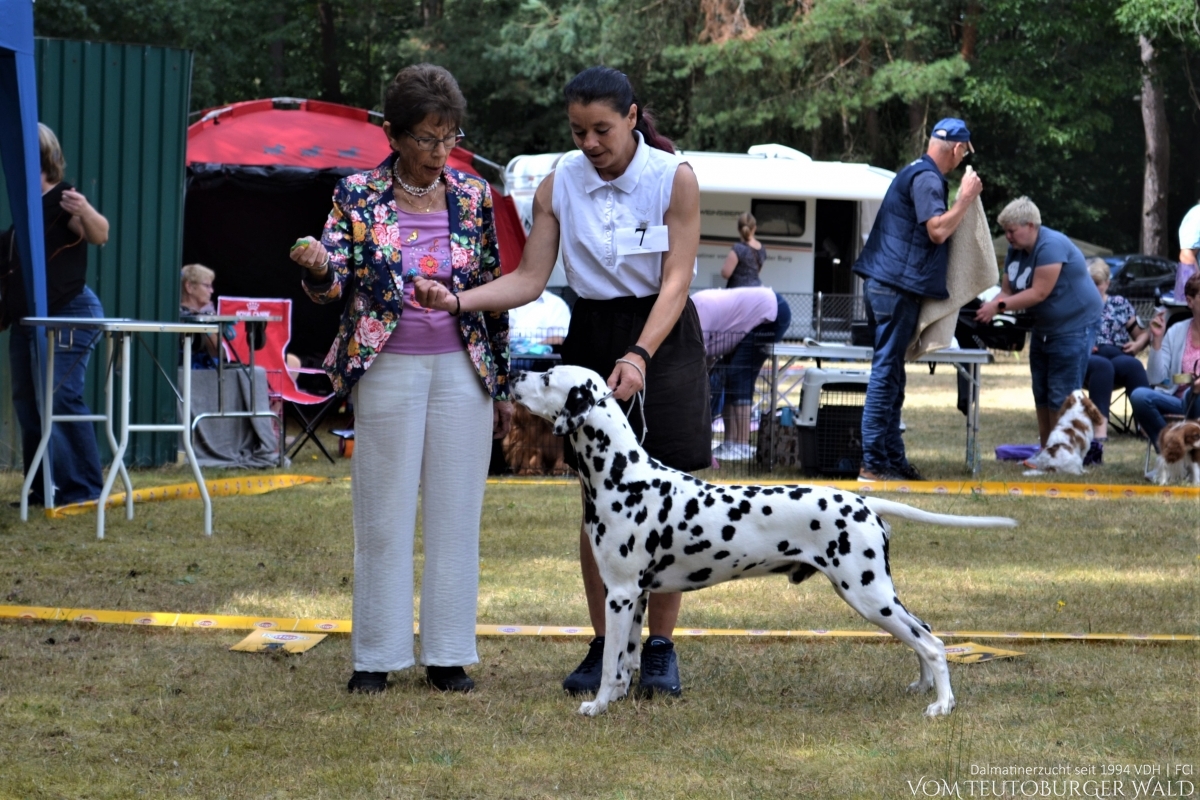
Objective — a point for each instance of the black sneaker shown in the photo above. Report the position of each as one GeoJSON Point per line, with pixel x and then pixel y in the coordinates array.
{"type": "Point", "coordinates": [449, 679]}
{"type": "Point", "coordinates": [908, 472]}
{"type": "Point", "coordinates": [1095, 454]}
{"type": "Point", "coordinates": [586, 677]}
{"type": "Point", "coordinates": [660, 668]}
{"type": "Point", "coordinates": [367, 682]}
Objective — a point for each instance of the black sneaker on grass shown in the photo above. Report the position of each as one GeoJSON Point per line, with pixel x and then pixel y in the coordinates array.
{"type": "Point", "coordinates": [367, 682]}
{"type": "Point", "coordinates": [586, 677]}
{"type": "Point", "coordinates": [449, 679]}
{"type": "Point", "coordinates": [908, 472]}
{"type": "Point", "coordinates": [1095, 454]}
{"type": "Point", "coordinates": [660, 668]}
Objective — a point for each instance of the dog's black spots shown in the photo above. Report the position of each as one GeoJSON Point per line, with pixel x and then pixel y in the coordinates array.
{"type": "Point", "coordinates": [597, 541]}
{"type": "Point", "coordinates": [821, 562]}
{"type": "Point", "coordinates": [915, 631]}
{"type": "Point", "coordinates": [766, 511]}
{"type": "Point", "coordinates": [619, 464]}
{"type": "Point", "coordinates": [634, 456]}
{"type": "Point", "coordinates": [887, 564]}
{"type": "Point", "coordinates": [614, 605]}
{"type": "Point", "coordinates": [691, 508]}
{"type": "Point", "coordinates": [840, 523]}
{"type": "Point", "coordinates": [652, 542]}
{"type": "Point", "coordinates": [698, 547]}
{"type": "Point", "coordinates": [720, 554]}
{"type": "Point", "coordinates": [709, 500]}
{"type": "Point", "coordinates": [836, 563]}
{"type": "Point", "coordinates": [629, 648]}
{"type": "Point", "coordinates": [803, 572]}
{"type": "Point", "coordinates": [697, 530]}
{"type": "Point", "coordinates": [926, 627]}
{"type": "Point", "coordinates": [744, 506]}
{"type": "Point", "coordinates": [845, 510]}
{"type": "Point", "coordinates": [667, 539]}
{"type": "Point", "coordinates": [624, 551]}
{"type": "Point", "coordinates": [837, 498]}
{"type": "Point", "coordinates": [682, 525]}
{"type": "Point", "coordinates": [656, 585]}
{"type": "Point", "coordinates": [632, 541]}
{"type": "Point", "coordinates": [583, 470]}
{"type": "Point", "coordinates": [751, 491]}
{"type": "Point", "coordinates": [546, 379]}
{"type": "Point", "coordinates": [830, 548]}
{"type": "Point", "coordinates": [869, 553]}
{"type": "Point", "coordinates": [734, 515]}
{"type": "Point", "coordinates": [862, 514]}
{"type": "Point", "coordinates": [843, 543]}
{"type": "Point", "coordinates": [598, 463]}
{"type": "Point", "coordinates": [845, 585]}
{"type": "Point", "coordinates": [667, 561]}
{"type": "Point", "coordinates": [641, 515]}
{"type": "Point", "coordinates": [795, 551]}
{"type": "Point", "coordinates": [799, 492]}
{"type": "Point", "coordinates": [781, 569]}
{"type": "Point", "coordinates": [665, 488]}
{"type": "Point", "coordinates": [782, 546]}
{"type": "Point", "coordinates": [823, 504]}
{"type": "Point", "coordinates": [590, 433]}
{"type": "Point", "coordinates": [867, 577]}
{"type": "Point", "coordinates": [725, 498]}
{"type": "Point", "coordinates": [750, 566]}
{"type": "Point", "coordinates": [665, 511]}
{"type": "Point", "coordinates": [815, 525]}
{"type": "Point", "coordinates": [616, 506]}
{"type": "Point", "coordinates": [600, 529]}
{"type": "Point", "coordinates": [886, 611]}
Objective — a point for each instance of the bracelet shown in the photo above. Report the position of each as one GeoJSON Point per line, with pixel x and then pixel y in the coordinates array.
{"type": "Point", "coordinates": [1001, 305]}
{"type": "Point", "coordinates": [457, 307]}
{"type": "Point", "coordinates": [638, 350]}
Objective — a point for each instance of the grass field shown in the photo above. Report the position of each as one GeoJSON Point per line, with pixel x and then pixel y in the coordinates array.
{"type": "Point", "coordinates": [107, 711]}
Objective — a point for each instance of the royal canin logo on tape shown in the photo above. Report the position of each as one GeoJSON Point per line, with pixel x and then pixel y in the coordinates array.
{"type": "Point", "coordinates": [205, 623]}
{"type": "Point", "coordinates": [326, 626]}
{"type": "Point", "coordinates": [284, 637]}
{"type": "Point", "coordinates": [143, 621]}
{"type": "Point", "coordinates": [265, 623]}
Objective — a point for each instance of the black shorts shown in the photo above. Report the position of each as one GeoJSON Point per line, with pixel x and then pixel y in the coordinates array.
{"type": "Point", "coordinates": [678, 421]}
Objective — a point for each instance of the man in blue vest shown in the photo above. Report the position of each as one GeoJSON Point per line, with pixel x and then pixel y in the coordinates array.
{"type": "Point", "coordinates": [904, 261]}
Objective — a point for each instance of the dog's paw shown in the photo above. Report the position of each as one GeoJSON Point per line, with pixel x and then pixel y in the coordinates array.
{"type": "Point", "coordinates": [940, 709]}
{"type": "Point", "coordinates": [922, 685]}
{"type": "Point", "coordinates": [593, 708]}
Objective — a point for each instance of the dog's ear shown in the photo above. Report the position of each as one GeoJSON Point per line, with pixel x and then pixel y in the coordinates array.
{"type": "Point", "coordinates": [1093, 413]}
{"type": "Point", "coordinates": [580, 401]}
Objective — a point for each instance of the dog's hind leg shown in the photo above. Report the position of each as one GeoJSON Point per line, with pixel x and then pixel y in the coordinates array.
{"type": "Point", "coordinates": [633, 650]}
{"type": "Point", "coordinates": [620, 608]}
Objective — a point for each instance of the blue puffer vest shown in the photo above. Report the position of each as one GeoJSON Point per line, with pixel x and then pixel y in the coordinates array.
{"type": "Point", "coordinates": [899, 252]}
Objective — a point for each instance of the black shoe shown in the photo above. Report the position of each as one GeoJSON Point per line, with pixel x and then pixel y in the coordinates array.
{"type": "Point", "coordinates": [449, 679]}
{"type": "Point", "coordinates": [1095, 454]}
{"type": "Point", "coordinates": [586, 677]}
{"type": "Point", "coordinates": [908, 472]}
{"type": "Point", "coordinates": [660, 668]}
{"type": "Point", "coordinates": [367, 682]}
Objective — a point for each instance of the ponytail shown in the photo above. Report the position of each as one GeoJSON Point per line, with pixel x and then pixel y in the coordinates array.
{"type": "Point", "coordinates": [611, 86]}
{"type": "Point", "coordinates": [746, 223]}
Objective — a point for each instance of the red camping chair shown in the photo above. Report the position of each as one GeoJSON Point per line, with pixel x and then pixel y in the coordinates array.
{"type": "Point", "coordinates": [271, 354]}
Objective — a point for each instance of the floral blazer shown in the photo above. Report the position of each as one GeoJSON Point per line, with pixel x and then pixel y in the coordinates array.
{"type": "Point", "coordinates": [366, 260]}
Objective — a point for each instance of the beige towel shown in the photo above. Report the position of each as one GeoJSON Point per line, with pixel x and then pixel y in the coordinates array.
{"type": "Point", "coordinates": [971, 269]}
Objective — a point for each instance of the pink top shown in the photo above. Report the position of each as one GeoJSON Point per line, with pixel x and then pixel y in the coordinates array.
{"type": "Point", "coordinates": [426, 244]}
{"type": "Point", "coordinates": [726, 315]}
{"type": "Point", "coordinates": [1189, 363]}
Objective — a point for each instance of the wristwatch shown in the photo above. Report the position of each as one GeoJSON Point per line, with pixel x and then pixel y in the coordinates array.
{"type": "Point", "coordinates": [1002, 305]}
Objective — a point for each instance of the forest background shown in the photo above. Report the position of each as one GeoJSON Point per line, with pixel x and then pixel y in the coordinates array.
{"type": "Point", "coordinates": [1090, 107]}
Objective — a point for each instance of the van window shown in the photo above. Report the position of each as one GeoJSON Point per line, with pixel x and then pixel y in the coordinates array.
{"type": "Point", "coordinates": [779, 217]}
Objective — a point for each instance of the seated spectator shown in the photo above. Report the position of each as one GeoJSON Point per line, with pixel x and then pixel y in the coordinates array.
{"type": "Point", "coordinates": [1173, 368]}
{"type": "Point", "coordinates": [1113, 360]}
{"type": "Point", "coordinates": [738, 324]}
{"type": "Point", "coordinates": [195, 297]}
{"type": "Point", "coordinates": [533, 327]}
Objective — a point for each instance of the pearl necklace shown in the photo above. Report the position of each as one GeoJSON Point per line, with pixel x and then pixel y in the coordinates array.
{"type": "Point", "coordinates": [415, 191]}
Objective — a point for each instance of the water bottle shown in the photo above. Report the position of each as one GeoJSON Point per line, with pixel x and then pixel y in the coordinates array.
{"type": "Point", "coordinates": [785, 419]}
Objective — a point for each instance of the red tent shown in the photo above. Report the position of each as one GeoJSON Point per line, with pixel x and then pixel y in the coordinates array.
{"type": "Point", "coordinates": [260, 175]}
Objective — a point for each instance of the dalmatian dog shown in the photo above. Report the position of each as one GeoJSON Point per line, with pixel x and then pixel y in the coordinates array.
{"type": "Point", "coordinates": [655, 529]}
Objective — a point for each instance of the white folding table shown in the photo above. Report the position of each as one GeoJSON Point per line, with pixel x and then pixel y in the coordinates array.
{"type": "Point", "coordinates": [965, 361]}
{"type": "Point", "coordinates": [119, 334]}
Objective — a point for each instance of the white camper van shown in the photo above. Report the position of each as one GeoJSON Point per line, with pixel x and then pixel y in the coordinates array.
{"type": "Point", "coordinates": [813, 216]}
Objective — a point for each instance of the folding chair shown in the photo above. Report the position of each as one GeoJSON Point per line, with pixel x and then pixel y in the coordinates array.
{"type": "Point", "coordinates": [1120, 413]}
{"type": "Point", "coordinates": [281, 379]}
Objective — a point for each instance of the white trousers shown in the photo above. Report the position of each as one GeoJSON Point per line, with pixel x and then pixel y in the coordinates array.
{"type": "Point", "coordinates": [419, 421]}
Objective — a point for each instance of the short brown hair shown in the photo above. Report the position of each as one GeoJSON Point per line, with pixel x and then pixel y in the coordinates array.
{"type": "Point", "coordinates": [1192, 287]}
{"type": "Point", "coordinates": [53, 163]}
{"type": "Point", "coordinates": [420, 91]}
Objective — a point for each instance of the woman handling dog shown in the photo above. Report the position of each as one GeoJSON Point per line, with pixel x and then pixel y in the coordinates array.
{"type": "Point", "coordinates": [430, 388]}
{"type": "Point", "coordinates": [626, 212]}
{"type": "Point", "coordinates": [1045, 273]}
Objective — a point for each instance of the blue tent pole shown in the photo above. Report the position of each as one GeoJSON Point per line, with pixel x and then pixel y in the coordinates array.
{"type": "Point", "coordinates": [21, 158]}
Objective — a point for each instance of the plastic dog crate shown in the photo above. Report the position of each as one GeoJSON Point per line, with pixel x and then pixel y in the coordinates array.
{"type": "Point", "coordinates": [830, 421]}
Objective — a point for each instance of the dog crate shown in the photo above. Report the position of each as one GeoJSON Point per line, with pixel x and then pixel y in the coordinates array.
{"type": "Point", "coordinates": [830, 420]}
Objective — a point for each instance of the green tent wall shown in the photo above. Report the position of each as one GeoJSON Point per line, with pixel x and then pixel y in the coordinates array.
{"type": "Point", "coordinates": [120, 112]}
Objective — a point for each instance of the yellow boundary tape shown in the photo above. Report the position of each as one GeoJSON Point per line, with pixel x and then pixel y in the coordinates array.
{"type": "Point", "coordinates": [188, 491]}
{"type": "Point", "coordinates": [220, 621]}
{"type": "Point", "coordinates": [1074, 491]}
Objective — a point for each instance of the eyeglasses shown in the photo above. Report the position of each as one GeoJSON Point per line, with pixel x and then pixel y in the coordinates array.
{"type": "Point", "coordinates": [430, 143]}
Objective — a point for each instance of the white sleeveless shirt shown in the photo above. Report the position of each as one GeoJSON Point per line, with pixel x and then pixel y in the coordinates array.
{"type": "Point", "coordinates": [612, 237]}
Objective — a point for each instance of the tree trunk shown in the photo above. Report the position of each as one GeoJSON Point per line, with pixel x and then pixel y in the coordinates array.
{"type": "Point", "coordinates": [431, 11]}
{"type": "Point", "coordinates": [970, 30]}
{"type": "Point", "coordinates": [331, 79]}
{"type": "Point", "coordinates": [1158, 154]}
{"type": "Point", "coordinates": [871, 114]}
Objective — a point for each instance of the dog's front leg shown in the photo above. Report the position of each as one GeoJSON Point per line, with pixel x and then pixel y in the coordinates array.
{"type": "Point", "coordinates": [619, 611]}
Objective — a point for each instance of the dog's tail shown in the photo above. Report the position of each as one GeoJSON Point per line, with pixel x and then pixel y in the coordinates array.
{"type": "Point", "coordinates": [893, 509]}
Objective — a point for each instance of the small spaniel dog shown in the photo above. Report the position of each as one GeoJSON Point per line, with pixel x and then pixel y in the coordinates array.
{"type": "Point", "coordinates": [531, 448]}
{"type": "Point", "coordinates": [1179, 453]}
{"type": "Point", "coordinates": [1069, 441]}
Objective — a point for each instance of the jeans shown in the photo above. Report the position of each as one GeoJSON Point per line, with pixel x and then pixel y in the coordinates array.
{"type": "Point", "coordinates": [893, 316]}
{"type": "Point", "coordinates": [74, 459]}
{"type": "Point", "coordinates": [1108, 369]}
{"type": "Point", "coordinates": [1150, 407]}
{"type": "Point", "coordinates": [1057, 364]}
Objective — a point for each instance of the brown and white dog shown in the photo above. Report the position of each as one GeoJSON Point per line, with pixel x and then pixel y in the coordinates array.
{"type": "Point", "coordinates": [1069, 441]}
{"type": "Point", "coordinates": [531, 448]}
{"type": "Point", "coordinates": [1179, 453]}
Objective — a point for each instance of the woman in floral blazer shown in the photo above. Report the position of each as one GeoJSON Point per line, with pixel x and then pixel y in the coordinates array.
{"type": "Point", "coordinates": [429, 387]}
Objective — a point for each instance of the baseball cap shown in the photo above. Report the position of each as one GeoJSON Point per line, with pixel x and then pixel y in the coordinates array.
{"type": "Point", "coordinates": [952, 130]}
